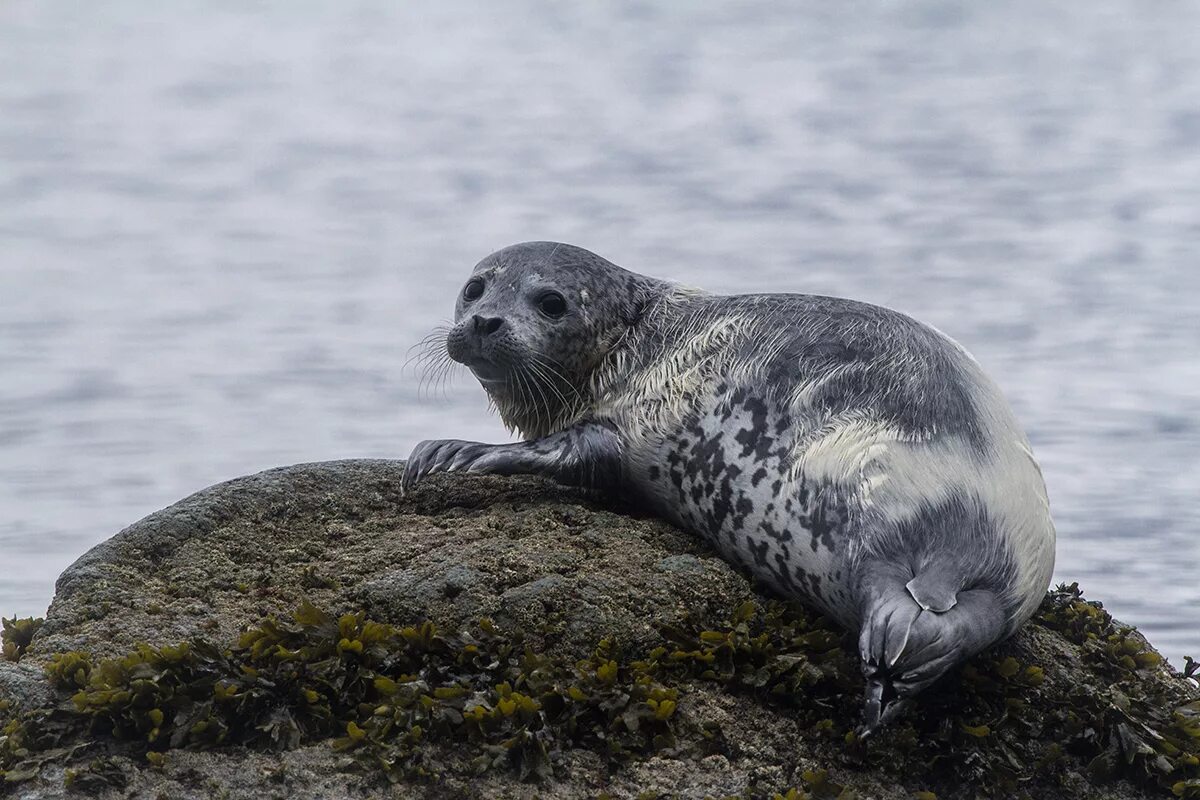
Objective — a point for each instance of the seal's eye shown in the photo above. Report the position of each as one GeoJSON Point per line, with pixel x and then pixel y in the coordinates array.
{"type": "Point", "coordinates": [552, 304]}
{"type": "Point", "coordinates": [473, 290]}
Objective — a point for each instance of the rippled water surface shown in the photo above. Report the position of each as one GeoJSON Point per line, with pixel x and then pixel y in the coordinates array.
{"type": "Point", "coordinates": [223, 224]}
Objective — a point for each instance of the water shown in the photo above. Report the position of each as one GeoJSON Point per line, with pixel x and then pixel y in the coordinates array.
{"type": "Point", "coordinates": [222, 225]}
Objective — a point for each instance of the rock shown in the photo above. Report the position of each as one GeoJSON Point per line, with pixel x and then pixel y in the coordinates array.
{"type": "Point", "coordinates": [22, 685]}
{"type": "Point", "coordinates": [567, 573]}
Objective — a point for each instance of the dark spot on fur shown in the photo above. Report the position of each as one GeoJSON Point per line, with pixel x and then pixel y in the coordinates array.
{"type": "Point", "coordinates": [759, 549]}
{"type": "Point", "coordinates": [780, 536]}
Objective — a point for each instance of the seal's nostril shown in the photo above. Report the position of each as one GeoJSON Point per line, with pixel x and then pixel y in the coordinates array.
{"type": "Point", "coordinates": [489, 326]}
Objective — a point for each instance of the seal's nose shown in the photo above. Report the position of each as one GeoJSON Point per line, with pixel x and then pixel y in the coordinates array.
{"type": "Point", "coordinates": [488, 326]}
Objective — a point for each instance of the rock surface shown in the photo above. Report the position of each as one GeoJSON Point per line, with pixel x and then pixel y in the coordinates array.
{"type": "Point", "coordinates": [532, 557]}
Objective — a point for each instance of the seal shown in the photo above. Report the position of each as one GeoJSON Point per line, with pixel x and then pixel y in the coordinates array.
{"type": "Point", "coordinates": [843, 453]}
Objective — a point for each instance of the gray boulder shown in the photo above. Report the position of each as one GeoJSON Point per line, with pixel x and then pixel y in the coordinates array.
{"type": "Point", "coordinates": [568, 572]}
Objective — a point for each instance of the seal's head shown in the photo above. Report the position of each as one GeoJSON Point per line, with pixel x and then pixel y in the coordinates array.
{"type": "Point", "coordinates": [532, 323]}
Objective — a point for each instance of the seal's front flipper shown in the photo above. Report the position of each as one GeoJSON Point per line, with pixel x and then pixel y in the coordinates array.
{"type": "Point", "coordinates": [587, 454]}
{"type": "Point", "coordinates": [914, 630]}
{"type": "Point", "coordinates": [441, 455]}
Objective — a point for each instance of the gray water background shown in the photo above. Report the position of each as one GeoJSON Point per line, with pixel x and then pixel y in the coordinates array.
{"type": "Point", "coordinates": [223, 224]}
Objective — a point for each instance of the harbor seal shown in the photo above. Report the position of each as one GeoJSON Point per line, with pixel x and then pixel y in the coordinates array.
{"type": "Point", "coordinates": [843, 453]}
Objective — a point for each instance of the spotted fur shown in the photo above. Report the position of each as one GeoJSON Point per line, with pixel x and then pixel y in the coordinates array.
{"type": "Point", "coordinates": [841, 452]}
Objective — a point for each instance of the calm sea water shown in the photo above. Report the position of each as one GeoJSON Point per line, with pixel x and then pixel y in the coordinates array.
{"type": "Point", "coordinates": [223, 224]}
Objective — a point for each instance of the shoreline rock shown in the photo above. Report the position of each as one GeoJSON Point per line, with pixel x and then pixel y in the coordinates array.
{"type": "Point", "coordinates": [567, 573]}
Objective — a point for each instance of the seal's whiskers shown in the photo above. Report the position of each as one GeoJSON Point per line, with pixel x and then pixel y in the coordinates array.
{"type": "Point", "coordinates": [431, 358]}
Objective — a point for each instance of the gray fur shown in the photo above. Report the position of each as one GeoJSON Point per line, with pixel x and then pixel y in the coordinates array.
{"type": "Point", "coordinates": [843, 453]}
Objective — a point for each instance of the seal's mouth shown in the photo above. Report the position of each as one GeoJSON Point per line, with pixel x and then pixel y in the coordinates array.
{"type": "Point", "coordinates": [488, 374]}
{"type": "Point", "coordinates": [465, 349]}
{"type": "Point", "coordinates": [500, 360]}
{"type": "Point", "coordinates": [484, 354]}
{"type": "Point", "coordinates": [485, 369]}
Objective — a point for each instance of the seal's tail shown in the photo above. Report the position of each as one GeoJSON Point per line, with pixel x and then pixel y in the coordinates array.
{"type": "Point", "coordinates": [915, 628]}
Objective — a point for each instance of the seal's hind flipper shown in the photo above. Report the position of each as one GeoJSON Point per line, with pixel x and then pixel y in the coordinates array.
{"type": "Point", "coordinates": [935, 588]}
{"type": "Point", "coordinates": [915, 630]}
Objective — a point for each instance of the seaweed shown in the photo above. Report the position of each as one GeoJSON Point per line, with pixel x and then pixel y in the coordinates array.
{"type": "Point", "coordinates": [379, 691]}
{"type": "Point", "coordinates": [16, 635]}
{"type": "Point", "coordinates": [413, 702]}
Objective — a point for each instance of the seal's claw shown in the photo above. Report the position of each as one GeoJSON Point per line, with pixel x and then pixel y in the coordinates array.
{"type": "Point", "coordinates": [428, 456]}
{"type": "Point", "coordinates": [449, 455]}
{"type": "Point", "coordinates": [881, 705]}
{"type": "Point", "coordinates": [413, 466]}
{"type": "Point", "coordinates": [872, 708]}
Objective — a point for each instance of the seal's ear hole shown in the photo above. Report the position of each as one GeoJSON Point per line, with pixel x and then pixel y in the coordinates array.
{"type": "Point", "coordinates": [473, 290]}
{"type": "Point", "coordinates": [552, 304]}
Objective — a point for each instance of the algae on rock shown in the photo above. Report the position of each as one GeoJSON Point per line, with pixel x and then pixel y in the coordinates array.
{"type": "Point", "coordinates": [309, 632]}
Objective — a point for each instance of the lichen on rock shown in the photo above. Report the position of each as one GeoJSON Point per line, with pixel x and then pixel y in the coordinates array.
{"type": "Point", "coordinates": [309, 632]}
